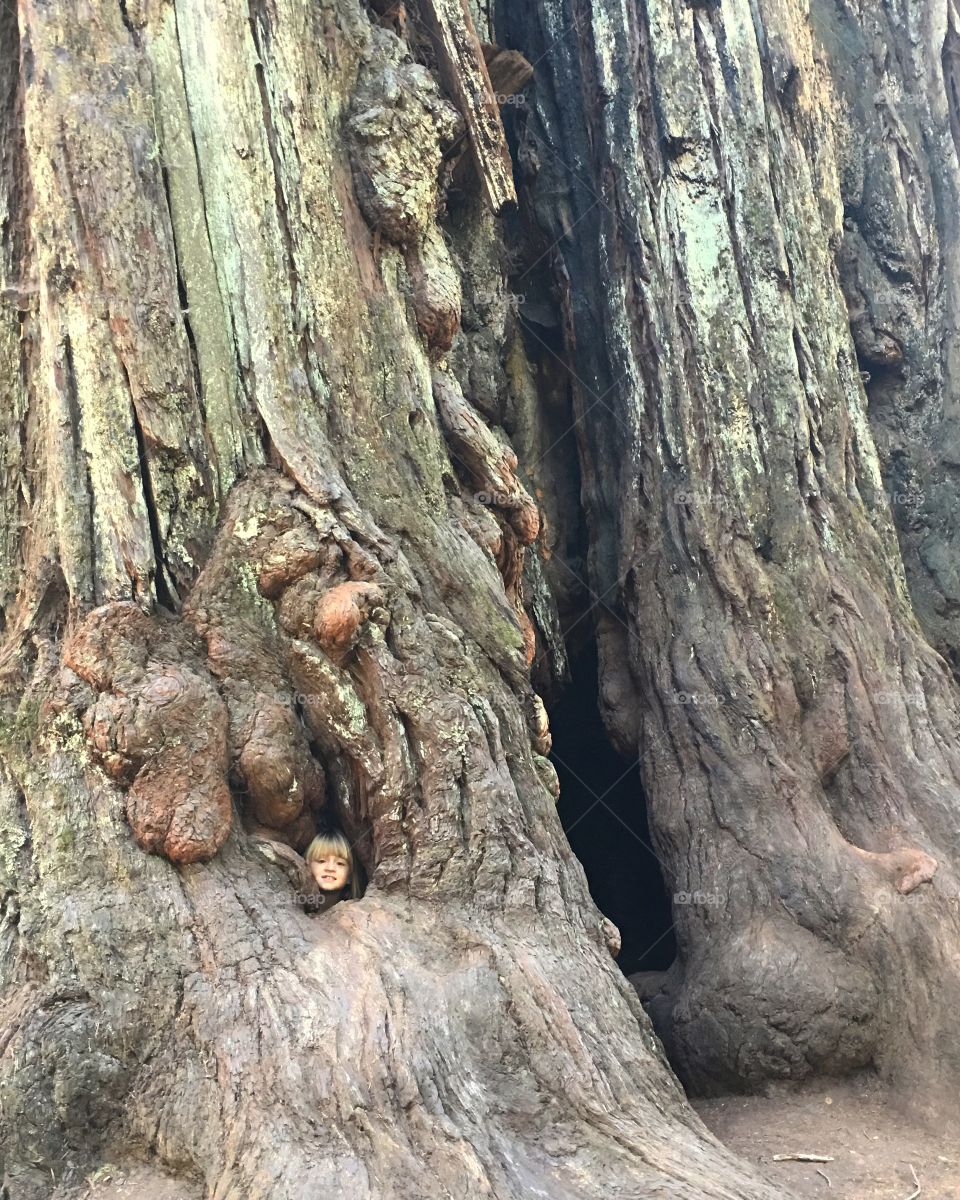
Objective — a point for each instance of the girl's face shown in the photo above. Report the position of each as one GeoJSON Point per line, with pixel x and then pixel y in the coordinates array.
{"type": "Point", "coordinates": [332, 872]}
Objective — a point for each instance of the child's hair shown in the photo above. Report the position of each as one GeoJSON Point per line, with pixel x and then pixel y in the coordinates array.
{"type": "Point", "coordinates": [334, 842]}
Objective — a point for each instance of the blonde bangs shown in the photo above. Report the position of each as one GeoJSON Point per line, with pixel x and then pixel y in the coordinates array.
{"type": "Point", "coordinates": [329, 843]}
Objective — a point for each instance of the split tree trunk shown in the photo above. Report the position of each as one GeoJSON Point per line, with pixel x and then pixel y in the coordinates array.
{"type": "Point", "coordinates": [250, 566]}
{"type": "Point", "coordinates": [731, 178]}
{"type": "Point", "coordinates": [244, 577]}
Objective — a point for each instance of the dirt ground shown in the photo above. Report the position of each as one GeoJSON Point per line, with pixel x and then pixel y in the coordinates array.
{"type": "Point", "coordinates": [872, 1145]}
{"type": "Point", "coordinates": [111, 1182]}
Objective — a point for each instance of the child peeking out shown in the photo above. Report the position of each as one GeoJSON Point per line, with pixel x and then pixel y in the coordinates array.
{"type": "Point", "coordinates": [330, 861]}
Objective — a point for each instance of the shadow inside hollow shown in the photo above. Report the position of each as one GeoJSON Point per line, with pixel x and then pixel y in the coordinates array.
{"type": "Point", "coordinates": [603, 809]}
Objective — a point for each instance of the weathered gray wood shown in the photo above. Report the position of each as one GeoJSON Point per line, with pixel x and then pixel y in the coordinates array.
{"type": "Point", "coordinates": [464, 72]}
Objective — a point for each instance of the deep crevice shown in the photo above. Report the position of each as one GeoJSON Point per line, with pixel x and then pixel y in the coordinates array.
{"type": "Point", "coordinates": [76, 433]}
{"type": "Point", "coordinates": [165, 597]}
{"type": "Point", "coordinates": [183, 298]}
{"type": "Point", "coordinates": [604, 812]}
{"type": "Point", "coordinates": [283, 217]}
{"type": "Point", "coordinates": [128, 24]}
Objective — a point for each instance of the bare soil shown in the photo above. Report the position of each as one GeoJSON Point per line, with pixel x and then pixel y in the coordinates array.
{"type": "Point", "coordinates": [131, 1182]}
{"type": "Point", "coordinates": [872, 1144]}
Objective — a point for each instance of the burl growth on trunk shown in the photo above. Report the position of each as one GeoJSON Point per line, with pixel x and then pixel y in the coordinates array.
{"type": "Point", "coordinates": [185, 712]}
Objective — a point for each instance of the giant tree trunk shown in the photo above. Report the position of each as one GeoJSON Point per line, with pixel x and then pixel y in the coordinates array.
{"type": "Point", "coordinates": [243, 578]}
{"type": "Point", "coordinates": [263, 556]}
{"type": "Point", "coordinates": [728, 175]}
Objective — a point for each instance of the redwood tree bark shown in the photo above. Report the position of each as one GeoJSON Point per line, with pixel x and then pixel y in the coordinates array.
{"type": "Point", "coordinates": [250, 570]}
{"type": "Point", "coordinates": [267, 550]}
{"type": "Point", "coordinates": [754, 208]}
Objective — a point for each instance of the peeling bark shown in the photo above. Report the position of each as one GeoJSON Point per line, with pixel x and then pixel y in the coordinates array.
{"type": "Point", "coordinates": [464, 70]}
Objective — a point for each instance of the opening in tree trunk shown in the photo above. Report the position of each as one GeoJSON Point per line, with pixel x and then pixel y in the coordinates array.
{"type": "Point", "coordinates": [604, 814]}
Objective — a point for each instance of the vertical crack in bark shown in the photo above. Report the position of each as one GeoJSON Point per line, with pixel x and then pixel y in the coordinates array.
{"type": "Point", "coordinates": [727, 188]}
{"type": "Point", "coordinates": [17, 302]}
{"type": "Point", "coordinates": [14, 184]}
{"type": "Point", "coordinates": [164, 586]}
{"type": "Point", "coordinates": [258, 15]}
{"type": "Point", "coordinates": [203, 200]}
{"type": "Point", "coordinates": [89, 244]}
{"type": "Point", "coordinates": [950, 63]}
{"type": "Point", "coordinates": [128, 24]}
{"type": "Point", "coordinates": [69, 381]}
{"type": "Point", "coordinates": [188, 325]}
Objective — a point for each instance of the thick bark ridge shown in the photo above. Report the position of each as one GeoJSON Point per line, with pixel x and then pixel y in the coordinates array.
{"type": "Point", "coordinates": [724, 172]}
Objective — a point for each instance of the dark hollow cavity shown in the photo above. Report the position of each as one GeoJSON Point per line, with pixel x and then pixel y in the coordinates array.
{"type": "Point", "coordinates": [603, 809]}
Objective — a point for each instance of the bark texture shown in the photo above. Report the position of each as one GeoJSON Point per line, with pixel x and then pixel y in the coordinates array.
{"type": "Point", "coordinates": [252, 569]}
{"type": "Point", "coordinates": [289, 522]}
{"type": "Point", "coordinates": [754, 252]}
